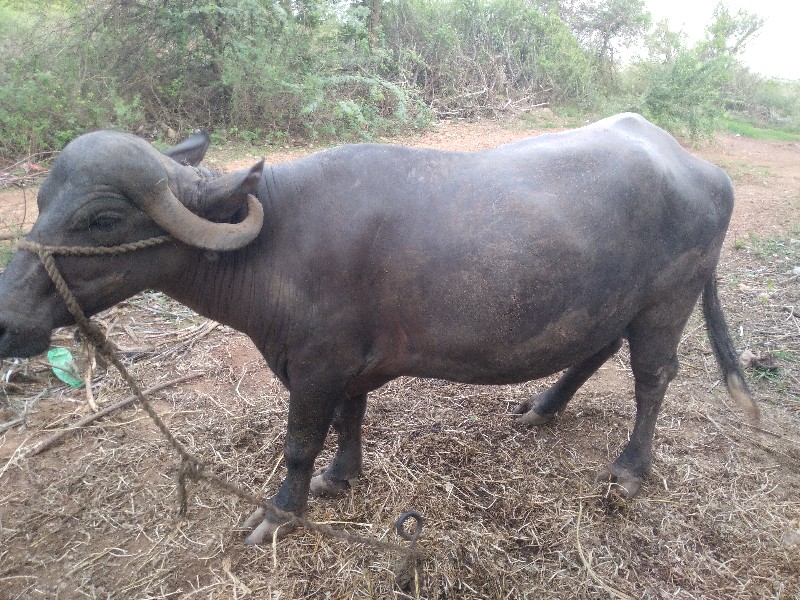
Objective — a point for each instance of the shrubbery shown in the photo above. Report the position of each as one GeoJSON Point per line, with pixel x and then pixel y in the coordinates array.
{"type": "Point", "coordinates": [243, 67]}
{"type": "Point", "coordinates": [467, 57]}
{"type": "Point", "coordinates": [266, 70]}
{"type": "Point", "coordinates": [688, 89]}
{"type": "Point", "coordinates": [50, 88]}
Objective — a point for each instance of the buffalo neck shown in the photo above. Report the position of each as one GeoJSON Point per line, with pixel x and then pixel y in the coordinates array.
{"type": "Point", "coordinates": [243, 289]}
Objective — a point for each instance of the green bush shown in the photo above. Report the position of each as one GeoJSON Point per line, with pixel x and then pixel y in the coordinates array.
{"type": "Point", "coordinates": [767, 102]}
{"type": "Point", "coordinates": [40, 112]}
{"type": "Point", "coordinates": [249, 66]}
{"type": "Point", "coordinates": [468, 57]}
{"type": "Point", "coordinates": [305, 91]}
{"type": "Point", "coordinates": [689, 89]}
{"type": "Point", "coordinates": [243, 66]}
{"type": "Point", "coordinates": [47, 97]}
{"type": "Point", "coordinates": [265, 70]}
{"type": "Point", "coordinates": [686, 94]}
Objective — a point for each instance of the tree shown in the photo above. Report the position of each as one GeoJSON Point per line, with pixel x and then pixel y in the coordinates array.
{"type": "Point", "coordinates": [728, 34]}
{"type": "Point", "coordinates": [690, 87]}
{"type": "Point", "coordinates": [603, 26]}
{"type": "Point", "coordinates": [374, 22]}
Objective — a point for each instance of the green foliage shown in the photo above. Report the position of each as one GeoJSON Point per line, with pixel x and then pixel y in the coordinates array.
{"type": "Point", "coordinates": [763, 107]}
{"type": "Point", "coordinates": [687, 89]}
{"type": "Point", "coordinates": [686, 93]}
{"type": "Point", "coordinates": [780, 248]}
{"type": "Point", "coordinates": [603, 28]}
{"type": "Point", "coordinates": [295, 94]}
{"type": "Point", "coordinates": [776, 102]}
{"type": "Point", "coordinates": [7, 246]}
{"type": "Point", "coordinates": [735, 124]}
{"type": "Point", "coordinates": [254, 68]}
{"type": "Point", "coordinates": [268, 70]}
{"type": "Point", "coordinates": [273, 74]}
{"type": "Point", "coordinates": [49, 97]}
{"type": "Point", "coordinates": [467, 57]}
{"type": "Point", "coordinates": [6, 252]}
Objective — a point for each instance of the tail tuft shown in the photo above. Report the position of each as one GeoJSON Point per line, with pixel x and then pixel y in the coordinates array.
{"type": "Point", "coordinates": [739, 392]}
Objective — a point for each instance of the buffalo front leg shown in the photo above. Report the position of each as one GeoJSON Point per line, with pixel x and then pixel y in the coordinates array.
{"type": "Point", "coordinates": [654, 363]}
{"type": "Point", "coordinates": [310, 417]}
{"type": "Point", "coordinates": [336, 478]}
{"type": "Point", "coordinates": [543, 407]}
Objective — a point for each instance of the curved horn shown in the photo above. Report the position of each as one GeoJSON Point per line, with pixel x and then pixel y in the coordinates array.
{"type": "Point", "coordinates": [128, 164]}
{"type": "Point", "coordinates": [166, 210]}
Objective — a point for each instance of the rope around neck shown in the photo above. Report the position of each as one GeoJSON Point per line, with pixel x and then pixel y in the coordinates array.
{"type": "Point", "coordinates": [191, 467]}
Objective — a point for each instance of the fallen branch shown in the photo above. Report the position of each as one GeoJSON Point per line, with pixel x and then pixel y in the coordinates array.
{"type": "Point", "coordinates": [12, 423]}
{"type": "Point", "coordinates": [54, 439]}
{"type": "Point", "coordinates": [31, 171]}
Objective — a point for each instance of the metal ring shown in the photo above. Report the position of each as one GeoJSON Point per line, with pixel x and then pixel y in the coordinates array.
{"type": "Point", "coordinates": [401, 522]}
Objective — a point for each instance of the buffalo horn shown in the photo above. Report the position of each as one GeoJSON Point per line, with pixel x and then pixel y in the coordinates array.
{"type": "Point", "coordinates": [166, 210]}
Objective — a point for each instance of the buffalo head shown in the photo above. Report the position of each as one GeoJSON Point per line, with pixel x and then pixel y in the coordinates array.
{"type": "Point", "coordinates": [108, 188]}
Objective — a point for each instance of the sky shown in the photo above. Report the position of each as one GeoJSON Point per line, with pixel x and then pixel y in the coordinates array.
{"type": "Point", "coordinates": [775, 52]}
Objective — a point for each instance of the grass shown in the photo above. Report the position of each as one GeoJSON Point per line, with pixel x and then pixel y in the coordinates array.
{"type": "Point", "coordinates": [786, 355]}
{"type": "Point", "coordinates": [784, 248]}
{"type": "Point", "coordinates": [8, 244]}
{"type": "Point", "coordinates": [768, 284]}
{"type": "Point", "coordinates": [510, 512]}
{"type": "Point", "coordinates": [6, 252]}
{"type": "Point", "coordinates": [738, 125]}
{"type": "Point", "coordinates": [741, 172]}
{"type": "Point", "coordinates": [555, 118]}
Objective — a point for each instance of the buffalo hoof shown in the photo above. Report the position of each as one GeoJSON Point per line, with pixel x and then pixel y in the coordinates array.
{"type": "Point", "coordinates": [623, 481]}
{"type": "Point", "coordinates": [329, 488]}
{"type": "Point", "coordinates": [531, 418]}
{"type": "Point", "coordinates": [265, 525]}
{"type": "Point", "coordinates": [530, 412]}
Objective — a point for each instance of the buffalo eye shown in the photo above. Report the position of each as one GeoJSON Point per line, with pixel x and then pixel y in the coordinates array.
{"type": "Point", "coordinates": [104, 221]}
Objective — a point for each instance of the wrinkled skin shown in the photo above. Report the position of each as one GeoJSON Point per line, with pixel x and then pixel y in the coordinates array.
{"type": "Point", "coordinates": [373, 262]}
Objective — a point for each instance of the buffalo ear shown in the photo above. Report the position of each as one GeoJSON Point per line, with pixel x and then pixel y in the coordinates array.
{"type": "Point", "coordinates": [191, 150]}
{"type": "Point", "coordinates": [223, 198]}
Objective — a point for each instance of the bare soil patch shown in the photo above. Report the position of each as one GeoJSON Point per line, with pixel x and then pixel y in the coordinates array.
{"type": "Point", "coordinates": [511, 513]}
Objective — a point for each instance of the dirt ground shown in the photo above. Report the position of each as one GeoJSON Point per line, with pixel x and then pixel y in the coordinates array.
{"type": "Point", "coordinates": [510, 512]}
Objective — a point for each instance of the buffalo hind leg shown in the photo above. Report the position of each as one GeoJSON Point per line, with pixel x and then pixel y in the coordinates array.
{"type": "Point", "coordinates": [543, 407]}
{"type": "Point", "coordinates": [654, 363]}
{"type": "Point", "coordinates": [336, 478]}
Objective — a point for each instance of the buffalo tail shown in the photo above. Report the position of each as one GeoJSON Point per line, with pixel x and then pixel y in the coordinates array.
{"type": "Point", "coordinates": [724, 351]}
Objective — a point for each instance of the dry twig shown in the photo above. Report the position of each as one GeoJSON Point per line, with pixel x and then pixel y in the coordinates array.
{"type": "Point", "coordinates": [53, 440]}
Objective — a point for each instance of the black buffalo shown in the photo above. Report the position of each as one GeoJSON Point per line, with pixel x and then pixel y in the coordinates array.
{"type": "Point", "coordinates": [374, 261]}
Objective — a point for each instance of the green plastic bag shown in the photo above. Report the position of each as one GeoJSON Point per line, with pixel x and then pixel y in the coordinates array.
{"type": "Point", "coordinates": [63, 366]}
